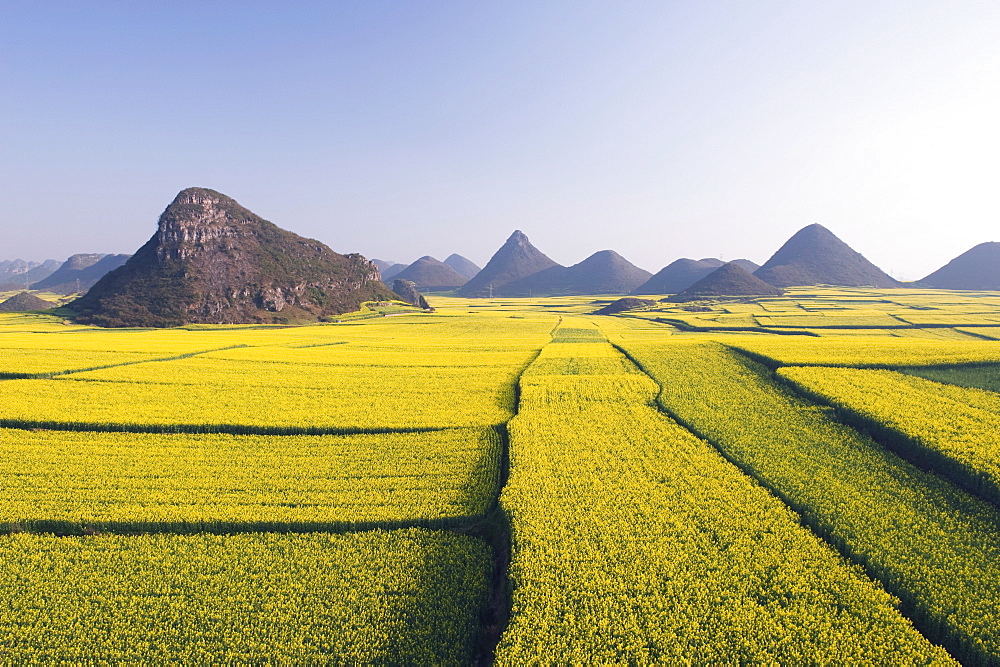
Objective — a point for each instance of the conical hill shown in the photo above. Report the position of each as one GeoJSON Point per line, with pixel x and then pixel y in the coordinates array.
{"type": "Point", "coordinates": [515, 259]}
{"type": "Point", "coordinates": [24, 302]}
{"type": "Point", "coordinates": [814, 256]}
{"type": "Point", "coordinates": [604, 272]}
{"type": "Point", "coordinates": [975, 269]}
{"type": "Point", "coordinates": [462, 266]}
{"type": "Point", "coordinates": [427, 273]}
{"type": "Point", "coordinates": [213, 261]}
{"type": "Point", "coordinates": [728, 280]}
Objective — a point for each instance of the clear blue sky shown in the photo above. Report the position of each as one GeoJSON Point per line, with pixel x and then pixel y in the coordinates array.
{"type": "Point", "coordinates": [398, 129]}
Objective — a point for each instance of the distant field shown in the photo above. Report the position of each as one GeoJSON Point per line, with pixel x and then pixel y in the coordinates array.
{"type": "Point", "coordinates": [804, 479]}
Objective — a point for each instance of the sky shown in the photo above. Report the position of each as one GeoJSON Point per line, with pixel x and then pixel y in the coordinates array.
{"type": "Point", "coordinates": [659, 129]}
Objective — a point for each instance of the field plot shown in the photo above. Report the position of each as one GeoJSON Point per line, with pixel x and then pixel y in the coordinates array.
{"type": "Point", "coordinates": [636, 543]}
{"type": "Point", "coordinates": [866, 352]}
{"type": "Point", "coordinates": [398, 597]}
{"type": "Point", "coordinates": [361, 378]}
{"type": "Point", "coordinates": [949, 429]}
{"type": "Point", "coordinates": [125, 482]}
{"type": "Point", "coordinates": [929, 542]}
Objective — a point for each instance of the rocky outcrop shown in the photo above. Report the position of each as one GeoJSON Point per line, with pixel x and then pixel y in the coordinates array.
{"type": "Point", "coordinates": [213, 261]}
{"type": "Point", "coordinates": [407, 291]}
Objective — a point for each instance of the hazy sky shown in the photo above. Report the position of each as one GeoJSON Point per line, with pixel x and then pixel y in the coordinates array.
{"type": "Point", "coordinates": [397, 129]}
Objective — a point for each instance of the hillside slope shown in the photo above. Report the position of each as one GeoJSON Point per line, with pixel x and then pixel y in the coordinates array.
{"type": "Point", "coordinates": [213, 261]}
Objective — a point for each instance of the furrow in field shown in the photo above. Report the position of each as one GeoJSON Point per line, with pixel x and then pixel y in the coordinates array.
{"type": "Point", "coordinates": [929, 542]}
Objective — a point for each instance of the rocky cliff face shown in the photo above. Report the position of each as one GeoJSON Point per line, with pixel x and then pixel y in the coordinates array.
{"type": "Point", "coordinates": [213, 261]}
{"type": "Point", "coordinates": [407, 291]}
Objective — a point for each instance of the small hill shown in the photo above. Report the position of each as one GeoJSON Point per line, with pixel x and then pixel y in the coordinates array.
{"type": "Point", "coordinates": [623, 304]}
{"type": "Point", "coordinates": [391, 271]}
{"type": "Point", "coordinates": [604, 272]}
{"type": "Point", "coordinates": [407, 291]}
{"type": "Point", "coordinates": [427, 273]}
{"type": "Point", "coordinates": [462, 266]}
{"type": "Point", "coordinates": [975, 269]}
{"type": "Point", "coordinates": [213, 261]}
{"type": "Point", "coordinates": [813, 256]}
{"type": "Point", "coordinates": [515, 259]}
{"type": "Point", "coordinates": [79, 273]}
{"type": "Point", "coordinates": [678, 276]}
{"type": "Point", "coordinates": [24, 302]}
{"type": "Point", "coordinates": [728, 280]}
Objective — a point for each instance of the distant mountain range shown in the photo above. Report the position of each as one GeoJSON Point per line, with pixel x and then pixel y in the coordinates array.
{"type": "Point", "coordinates": [79, 273]}
{"type": "Point", "coordinates": [211, 260]}
{"type": "Point", "coordinates": [19, 273]}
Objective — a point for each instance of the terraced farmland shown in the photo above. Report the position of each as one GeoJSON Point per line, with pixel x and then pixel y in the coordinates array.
{"type": "Point", "coordinates": [805, 479]}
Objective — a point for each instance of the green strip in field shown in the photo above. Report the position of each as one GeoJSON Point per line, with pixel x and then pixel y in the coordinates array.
{"type": "Point", "coordinates": [398, 597]}
{"type": "Point", "coordinates": [125, 482]}
{"type": "Point", "coordinates": [637, 543]}
{"type": "Point", "coordinates": [931, 543]}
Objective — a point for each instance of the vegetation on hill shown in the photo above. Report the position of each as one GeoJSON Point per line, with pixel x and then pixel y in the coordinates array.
{"type": "Point", "coordinates": [624, 304]}
{"type": "Point", "coordinates": [462, 266]}
{"type": "Point", "coordinates": [728, 280]}
{"type": "Point", "coordinates": [23, 302]}
{"type": "Point", "coordinates": [391, 270]}
{"type": "Point", "coordinates": [604, 272]}
{"type": "Point", "coordinates": [515, 259]}
{"type": "Point", "coordinates": [814, 256]}
{"type": "Point", "coordinates": [427, 273]}
{"type": "Point", "coordinates": [407, 291]}
{"type": "Point", "coordinates": [213, 261]}
{"type": "Point", "coordinates": [975, 269]}
{"type": "Point", "coordinates": [678, 276]}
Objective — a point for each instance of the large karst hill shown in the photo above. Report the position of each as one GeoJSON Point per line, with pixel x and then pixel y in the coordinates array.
{"type": "Point", "coordinates": [463, 267]}
{"type": "Point", "coordinates": [213, 261]}
{"type": "Point", "coordinates": [814, 256]}
{"type": "Point", "coordinates": [975, 269]}
{"type": "Point", "coordinates": [604, 272]}
{"type": "Point", "coordinates": [682, 273]}
{"type": "Point", "coordinates": [428, 273]}
{"type": "Point", "coordinates": [515, 259]}
{"type": "Point", "coordinates": [730, 279]}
